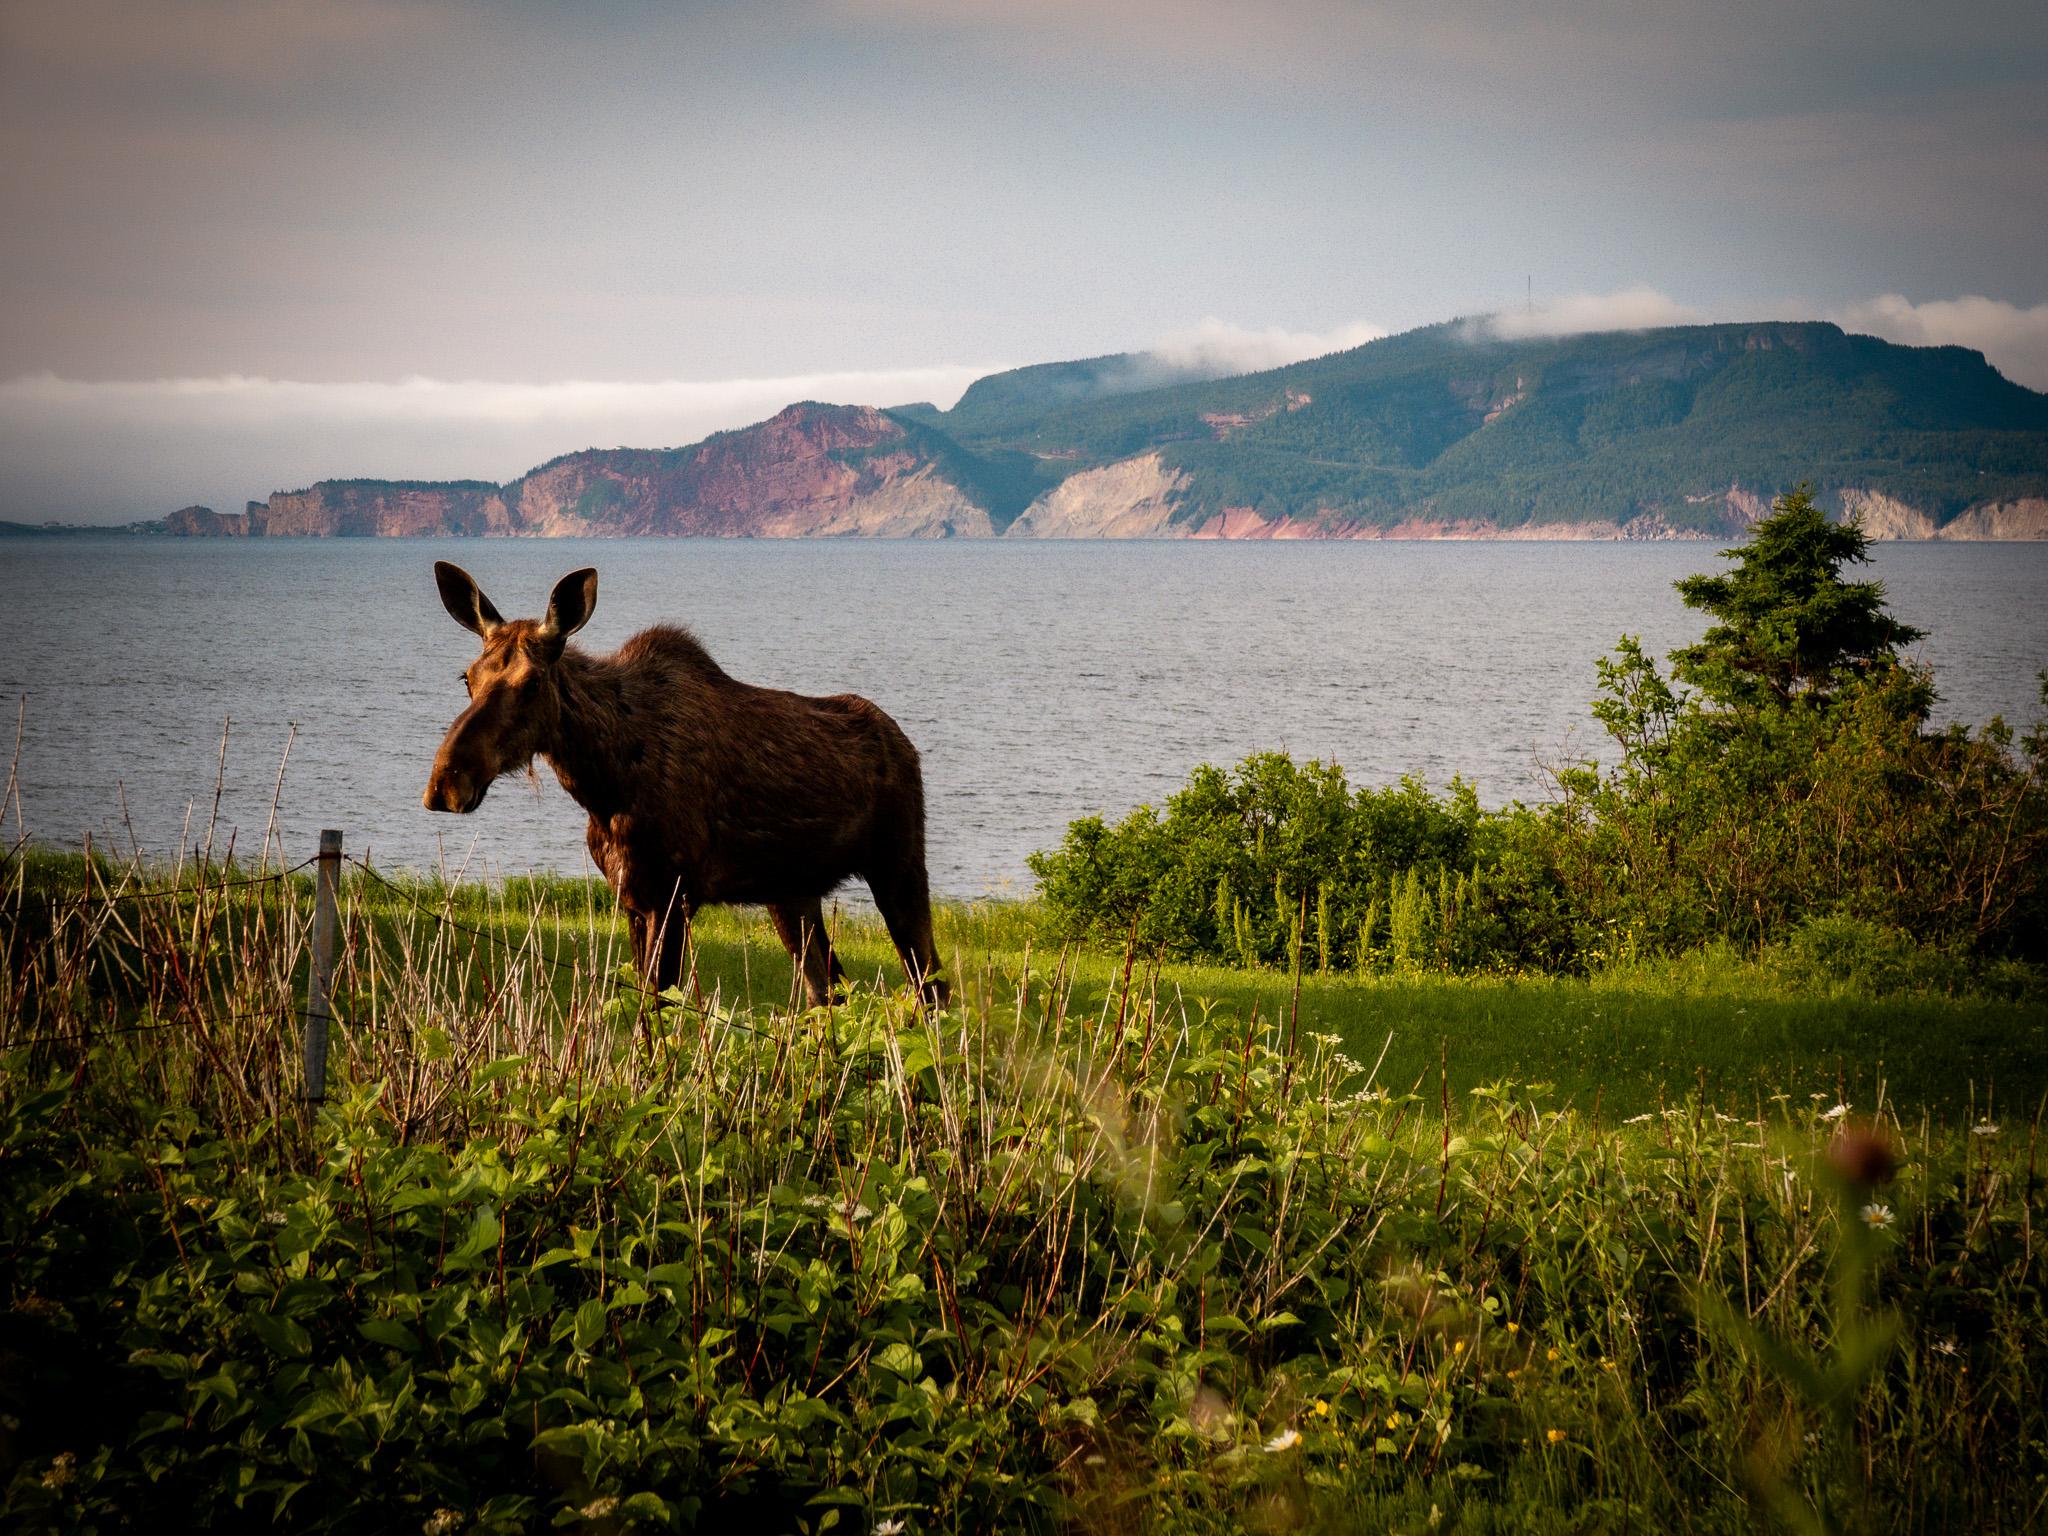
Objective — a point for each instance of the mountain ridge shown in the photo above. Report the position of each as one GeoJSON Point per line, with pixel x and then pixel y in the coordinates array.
{"type": "Point", "coordinates": [1448, 431]}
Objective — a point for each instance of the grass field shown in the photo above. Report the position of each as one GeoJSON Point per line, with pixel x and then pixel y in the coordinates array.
{"type": "Point", "coordinates": [1107, 1246]}
{"type": "Point", "coordinates": [1714, 1023]}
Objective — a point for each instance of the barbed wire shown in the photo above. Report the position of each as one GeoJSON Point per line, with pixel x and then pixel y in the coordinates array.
{"type": "Point", "coordinates": [534, 951]}
{"type": "Point", "coordinates": [168, 892]}
{"type": "Point", "coordinates": [528, 949]}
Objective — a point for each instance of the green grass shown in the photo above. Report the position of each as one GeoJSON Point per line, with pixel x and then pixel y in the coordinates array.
{"type": "Point", "coordinates": [1714, 1024]}
{"type": "Point", "coordinates": [1091, 1250]}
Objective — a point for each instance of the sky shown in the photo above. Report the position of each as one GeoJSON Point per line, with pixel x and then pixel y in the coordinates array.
{"type": "Point", "coordinates": [247, 245]}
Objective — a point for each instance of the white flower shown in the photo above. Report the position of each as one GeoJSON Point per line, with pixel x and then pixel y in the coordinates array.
{"type": "Point", "coordinates": [1877, 1215]}
{"type": "Point", "coordinates": [442, 1522]}
{"type": "Point", "coordinates": [1944, 1346]}
{"type": "Point", "coordinates": [1637, 1119]}
{"type": "Point", "coordinates": [1836, 1113]}
{"type": "Point", "coordinates": [598, 1508]}
{"type": "Point", "coordinates": [888, 1527]}
{"type": "Point", "coordinates": [1286, 1440]}
{"type": "Point", "coordinates": [1985, 1128]}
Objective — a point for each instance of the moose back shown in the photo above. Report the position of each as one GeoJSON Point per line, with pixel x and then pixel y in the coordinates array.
{"type": "Point", "coordinates": [701, 789]}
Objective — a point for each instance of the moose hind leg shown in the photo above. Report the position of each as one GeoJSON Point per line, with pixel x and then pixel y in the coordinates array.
{"type": "Point", "coordinates": [801, 927]}
{"type": "Point", "coordinates": [904, 900]}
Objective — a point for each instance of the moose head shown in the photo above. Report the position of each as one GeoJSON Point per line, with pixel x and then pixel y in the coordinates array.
{"type": "Point", "coordinates": [515, 706]}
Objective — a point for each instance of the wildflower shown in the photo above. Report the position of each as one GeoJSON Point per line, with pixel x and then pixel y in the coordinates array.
{"type": "Point", "coordinates": [1458, 1348]}
{"type": "Point", "coordinates": [1638, 1119]}
{"type": "Point", "coordinates": [599, 1507]}
{"type": "Point", "coordinates": [62, 1469]}
{"type": "Point", "coordinates": [1877, 1215]}
{"type": "Point", "coordinates": [1555, 1436]}
{"type": "Point", "coordinates": [1513, 1374]}
{"type": "Point", "coordinates": [1322, 1409]}
{"type": "Point", "coordinates": [1606, 1365]}
{"type": "Point", "coordinates": [442, 1522]}
{"type": "Point", "coordinates": [1836, 1113]}
{"type": "Point", "coordinates": [1514, 1327]}
{"type": "Point", "coordinates": [1393, 1421]}
{"type": "Point", "coordinates": [1984, 1128]}
{"type": "Point", "coordinates": [1944, 1346]}
{"type": "Point", "coordinates": [888, 1527]}
{"type": "Point", "coordinates": [1550, 1354]}
{"type": "Point", "coordinates": [1286, 1440]}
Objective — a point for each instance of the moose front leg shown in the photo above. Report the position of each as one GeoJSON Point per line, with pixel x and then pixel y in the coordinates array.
{"type": "Point", "coordinates": [670, 943]}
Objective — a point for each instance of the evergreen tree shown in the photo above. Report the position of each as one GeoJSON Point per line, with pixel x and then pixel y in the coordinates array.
{"type": "Point", "coordinates": [1788, 627]}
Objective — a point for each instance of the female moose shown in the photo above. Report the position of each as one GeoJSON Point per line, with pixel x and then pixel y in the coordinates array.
{"type": "Point", "coordinates": [701, 789]}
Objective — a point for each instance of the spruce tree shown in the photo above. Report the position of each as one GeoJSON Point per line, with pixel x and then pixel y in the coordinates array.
{"type": "Point", "coordinates": [1787, 626]}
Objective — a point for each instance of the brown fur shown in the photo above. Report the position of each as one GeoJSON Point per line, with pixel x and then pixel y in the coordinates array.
{"type": "Point", "coordinates": [701, 789]}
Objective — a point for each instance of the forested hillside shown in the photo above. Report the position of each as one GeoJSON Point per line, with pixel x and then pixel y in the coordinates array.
{"type": "Point", "coordinates": [1453, 424]}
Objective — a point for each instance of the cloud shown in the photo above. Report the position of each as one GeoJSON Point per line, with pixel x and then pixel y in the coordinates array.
{"type": "Point", "coordinates": [110, 451]}
{"type": "Point", "coordinates": [1217, 348]}
{"type": "Point", "coordinates": [2013, 339]}
{"type": "Point", "coordinates": [1636, 308]}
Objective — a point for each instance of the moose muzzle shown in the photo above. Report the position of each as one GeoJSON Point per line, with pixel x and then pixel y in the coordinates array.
{"type": "Point", "coordinates": [451, 789]}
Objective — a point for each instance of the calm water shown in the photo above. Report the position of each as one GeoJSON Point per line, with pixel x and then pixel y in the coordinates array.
{"type": "Point", "coordinates": [1040, 681]}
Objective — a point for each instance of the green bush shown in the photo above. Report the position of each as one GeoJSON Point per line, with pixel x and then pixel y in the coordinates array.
{"type": "Point", "coordinates": [1797, 781]}
{"type": "Point", "coordinates": [1283, 863]}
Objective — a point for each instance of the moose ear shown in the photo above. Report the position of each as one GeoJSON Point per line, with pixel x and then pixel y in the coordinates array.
{"type": "Point", "coordinates": [570, 604]}
{"type": "Point", "coordinates": [465, 600]}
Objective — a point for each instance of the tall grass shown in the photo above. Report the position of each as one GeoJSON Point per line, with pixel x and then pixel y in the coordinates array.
{"type": "Point", "coordinates": [1089, 1250]}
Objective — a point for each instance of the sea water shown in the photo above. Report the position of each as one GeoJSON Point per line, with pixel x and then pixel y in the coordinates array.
{"type": "Point", "coordinates": [1040, 681]}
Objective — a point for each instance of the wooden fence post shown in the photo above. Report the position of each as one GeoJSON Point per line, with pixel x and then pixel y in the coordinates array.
{"type": "Point", "coordinates": [320, 976]}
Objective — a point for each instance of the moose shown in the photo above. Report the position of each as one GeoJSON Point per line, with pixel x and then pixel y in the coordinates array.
{"type": "Point", "coordinates": [701, 789]}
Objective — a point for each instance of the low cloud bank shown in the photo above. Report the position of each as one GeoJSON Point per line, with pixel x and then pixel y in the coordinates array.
{"type": "Point", "coordinates": [2015, 340]}
{"type": "Point", "coordinates": [2012, 338]}
{"type": "Point", "coordinates": [1639, 308]}
{"type": "Point", "coordinates": [113, 451]}
{"type": "Point", "coordinates": [1219, 348]}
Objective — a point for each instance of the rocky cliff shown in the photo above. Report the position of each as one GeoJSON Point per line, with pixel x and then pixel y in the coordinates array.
{"type": "Point", "coordinates": [205, 523]}
{"type": "Point", "coordinates": [813, 471]}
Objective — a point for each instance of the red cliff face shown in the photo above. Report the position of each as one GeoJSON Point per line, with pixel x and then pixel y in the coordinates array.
{"type": "Point", "coordinates": [384, 509]}
{"type": "Point", "coordinates": [812, 470]}
{"type": "Point", "coordinates": [204, 523]}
